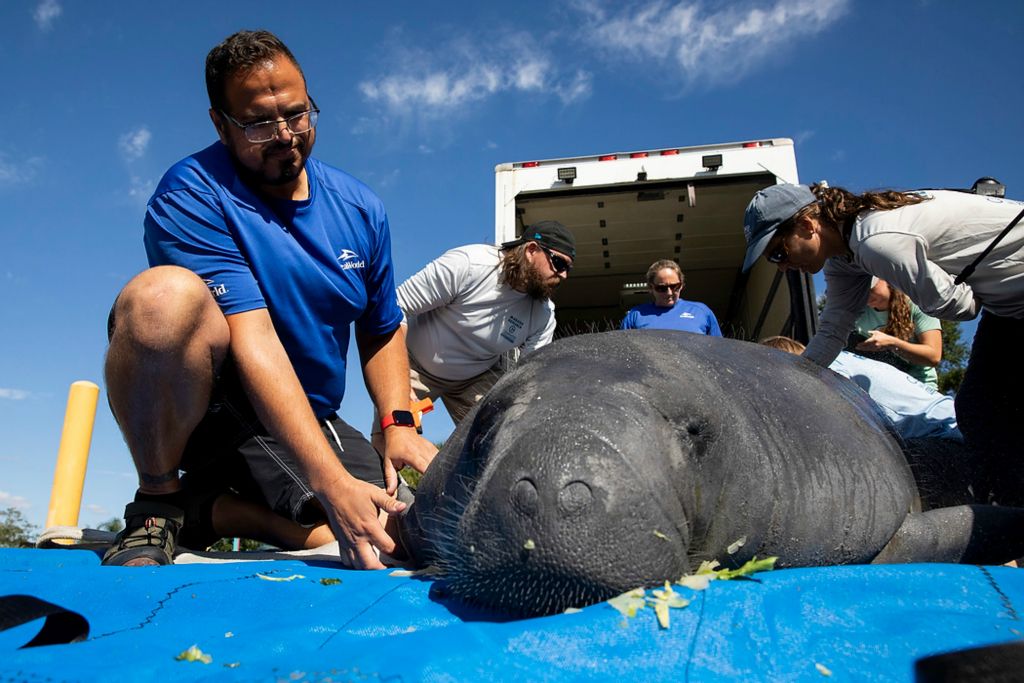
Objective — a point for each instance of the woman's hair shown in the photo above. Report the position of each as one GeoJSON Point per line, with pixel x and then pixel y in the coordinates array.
{"type": "Point", "coordinates": [839, 207]}
{"type": "Point", "coordinates": [661, 265]}
{"type": "Point", "coordinates": [901, 322]}
{"type": "Point", "coordinates": [787, 344]}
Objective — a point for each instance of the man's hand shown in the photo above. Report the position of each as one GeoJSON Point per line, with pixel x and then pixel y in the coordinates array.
{"type": "Point", "coordinates": [403, 446]}
{"type": "Point", "coordinates": [352, 511]}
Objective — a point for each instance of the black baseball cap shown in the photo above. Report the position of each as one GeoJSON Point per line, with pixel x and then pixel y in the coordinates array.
{"type": "Point", "coordinates": [550, 234]}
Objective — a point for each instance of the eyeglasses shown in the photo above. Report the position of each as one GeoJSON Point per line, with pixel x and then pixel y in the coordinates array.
{"type": "Point", "coordinates": [662, 289]}
{"type": "Point", "coordinates": [778, 254]}
{"type": "Point", "coordinates": [265, 131]}
{"type": "Point", "coordinates": [558, 263]}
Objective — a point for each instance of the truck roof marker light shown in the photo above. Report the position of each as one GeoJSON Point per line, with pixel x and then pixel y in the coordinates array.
{"type": "Point", "coordinates": [748, 145]}
{"type": "Point", "coordinates": [638, 155]}
{"type": "Point", "coordinates": [669, 152]}
{"type": "Point", "coordinates": [531, 164]}
{"type": "Point", "coordinates": [608, 157]}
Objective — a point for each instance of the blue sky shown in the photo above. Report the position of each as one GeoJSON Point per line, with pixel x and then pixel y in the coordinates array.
{"type": "Point", "coordinates": [421, 100]}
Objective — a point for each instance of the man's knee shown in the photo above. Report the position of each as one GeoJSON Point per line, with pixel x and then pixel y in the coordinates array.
{"type": "Point", "coordinates": [164, 308]}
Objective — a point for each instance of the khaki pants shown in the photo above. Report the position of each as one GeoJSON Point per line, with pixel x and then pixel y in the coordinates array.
{"type": "Point", "coordinates": [458, 396]}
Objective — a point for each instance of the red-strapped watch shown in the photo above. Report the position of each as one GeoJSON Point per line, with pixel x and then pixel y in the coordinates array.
{"type": "Point", "coordinates": [397, 418]}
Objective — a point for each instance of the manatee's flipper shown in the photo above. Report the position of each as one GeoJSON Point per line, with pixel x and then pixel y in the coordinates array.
{"type": "Point", "coordinates": [947, 472]}
{"type": "Point", "coordinates": [972, 534]}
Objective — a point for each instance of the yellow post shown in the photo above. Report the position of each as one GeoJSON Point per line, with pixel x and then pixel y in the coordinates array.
{"type": "Point", "coordinates": [69, 476]}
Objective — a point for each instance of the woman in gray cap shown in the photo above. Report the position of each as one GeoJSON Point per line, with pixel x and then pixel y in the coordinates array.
{"type": "Point", "coordinates": [928, 245]}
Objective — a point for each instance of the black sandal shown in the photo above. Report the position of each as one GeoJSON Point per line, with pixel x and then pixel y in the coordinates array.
{"type": "Point", "coordinates": [150, 531]}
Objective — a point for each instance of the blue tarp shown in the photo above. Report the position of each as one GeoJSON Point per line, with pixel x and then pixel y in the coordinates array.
{"type": "Point", "coordinates": [826, 624]}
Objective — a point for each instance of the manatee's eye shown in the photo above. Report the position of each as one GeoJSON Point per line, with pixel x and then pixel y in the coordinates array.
{"type": "Point", "coordinates": [575, 497]}
{"type": "Point", "coordinates": [524, 497]}
{"type": "Point", "coordinates": [700, 435]}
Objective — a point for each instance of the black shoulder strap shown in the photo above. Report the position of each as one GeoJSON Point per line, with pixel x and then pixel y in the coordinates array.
{"type": "Point", "coordinates": [62, 625]}
{"type": "Point", "coordinates": [969, 270]}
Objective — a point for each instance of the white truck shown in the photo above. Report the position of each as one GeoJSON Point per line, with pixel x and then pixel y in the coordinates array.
{"type": "Point", "coordinates": [630, 209]}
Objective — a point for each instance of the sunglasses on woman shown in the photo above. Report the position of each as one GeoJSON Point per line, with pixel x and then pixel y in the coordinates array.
{"type": "Point", "coordinates": [778, 254]}
{"type": "Point", "coordinates": [662, 289]}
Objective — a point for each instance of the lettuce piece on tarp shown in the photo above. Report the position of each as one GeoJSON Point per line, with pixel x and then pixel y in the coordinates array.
{"type": "Point", "coordinates": [194, 654]}
{"type": "Point", "coordinates": [752, 566]}
{"type": "Point", "coordinates": [629, 603]}
{"type": "Point", "coordinates": [267, 577]}
{"type": "Point", "coordinates": [661, 599]}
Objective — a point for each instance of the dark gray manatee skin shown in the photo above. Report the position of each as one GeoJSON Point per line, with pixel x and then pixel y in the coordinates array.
{"type": "Point", "coordinates": [622, 459]}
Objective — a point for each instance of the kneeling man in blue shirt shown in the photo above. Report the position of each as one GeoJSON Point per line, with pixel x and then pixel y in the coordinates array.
{"type": "Point", "coordinates": [667, 311]}
{"type": "Point", "coordinates": [227, 356]}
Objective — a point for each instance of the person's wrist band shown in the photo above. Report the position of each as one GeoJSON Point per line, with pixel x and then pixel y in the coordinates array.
{"type": "Point", "coordinates": [398, 418]}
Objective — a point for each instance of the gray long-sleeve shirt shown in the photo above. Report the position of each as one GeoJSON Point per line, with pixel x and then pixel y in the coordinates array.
{"type": "Point", "coordinates": [920, 249]}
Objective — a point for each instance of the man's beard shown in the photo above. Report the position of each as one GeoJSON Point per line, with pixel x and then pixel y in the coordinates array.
{"type": "Point", "coordinates": [538, 287]}
{"type": "Point", "coordinates": [286, 171]}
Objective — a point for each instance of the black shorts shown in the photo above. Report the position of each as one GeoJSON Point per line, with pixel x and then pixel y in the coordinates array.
{"type": "Point", "coordinates": [231, 450]}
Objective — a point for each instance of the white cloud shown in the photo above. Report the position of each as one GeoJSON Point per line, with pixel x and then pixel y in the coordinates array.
{"type": "Point", "coordinates": [14, 394]}
{"type": "Point", "coordinates": [8, 173]}
{"type": "Point", "coordinates": [449, 80]}
{"type": "Point", "coordinates": [803, 136]}
{"type": "Point", "coordinates": [698, 42]}
{"type": "Point", "coordinates": [709, 43]}
{"type": "Point", "coordinates": [8, 500]}
{"type": "Point", "coordinates": [437, 91]}
{"type": "Point", "coordinates": [133, 144]}
{"type": "Point", "coordinates": [382, 180]}
{"type": "Point", "coordinates": [45, 13]}
{"type": "Point", "coordinates": [141, 188]}
{"type": "Point", "coordinates": [17, 172]}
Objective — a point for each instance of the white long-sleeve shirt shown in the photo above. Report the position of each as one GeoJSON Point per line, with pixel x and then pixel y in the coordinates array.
{"type": "Point", "coordinates": [462, 318]}
{"type": "Point", "coordinates": [920, 249]}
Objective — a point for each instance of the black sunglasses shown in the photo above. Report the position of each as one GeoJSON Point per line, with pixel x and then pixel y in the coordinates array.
{"type": "Point", "coordinates": [661, 289]}
{"type": "Point", "coordinates": [558, 264]}
{"type": "Point", "coordinates": [778, 254]}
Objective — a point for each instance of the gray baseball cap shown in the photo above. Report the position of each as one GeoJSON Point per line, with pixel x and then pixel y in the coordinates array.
{"type": "Point", "coordinates": [770, 208]}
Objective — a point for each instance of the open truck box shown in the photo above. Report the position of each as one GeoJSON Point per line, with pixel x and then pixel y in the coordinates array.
{"type": "Point", "coordinates": [630, 209]}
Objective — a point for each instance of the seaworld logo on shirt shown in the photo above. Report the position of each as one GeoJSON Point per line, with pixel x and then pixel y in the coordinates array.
{"type": "Point", "coordinates": [345, 259]}
{"type": "Point", "coordinates": [217, 290]}
{"type": "Point", "coordinates": [512, 328]}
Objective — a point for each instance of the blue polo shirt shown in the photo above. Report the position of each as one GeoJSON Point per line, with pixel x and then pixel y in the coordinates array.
{"type": "Point", "coordinates": [686, 316]}
{"type": "Point", "coordinates": [316, 265]}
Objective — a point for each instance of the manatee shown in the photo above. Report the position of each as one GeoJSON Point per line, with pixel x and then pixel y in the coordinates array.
{"type": "Point", "coordinates": [609, 461]}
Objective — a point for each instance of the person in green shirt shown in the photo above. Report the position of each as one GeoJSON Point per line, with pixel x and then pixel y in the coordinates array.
{"type": "Point", "coordinates": [894, 330]}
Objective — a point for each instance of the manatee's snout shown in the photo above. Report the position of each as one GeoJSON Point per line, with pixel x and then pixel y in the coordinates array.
{"type": "Point", "coordinates": [562, 522]}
